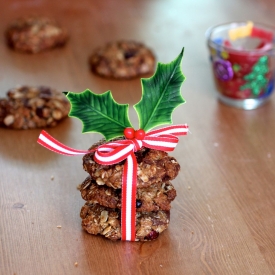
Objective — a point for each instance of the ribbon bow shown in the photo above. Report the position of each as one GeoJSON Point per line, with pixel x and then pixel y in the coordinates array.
{"type": "Point", "coordinates": [164, 139]}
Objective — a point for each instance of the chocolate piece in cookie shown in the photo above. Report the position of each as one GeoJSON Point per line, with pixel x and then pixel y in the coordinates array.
{"type": "Point", "coordinates": [154, 166]}
{"type": "Point", "coordinates": [156, 197]}
{"type": "Point", "coordinates": [122, 60]}
{"type": "Point", "coordinates": [29, 107]}
{"type": "Point", "coordinates": [35, 34]}
{"type": "Point", "coordinates": [97, 219]}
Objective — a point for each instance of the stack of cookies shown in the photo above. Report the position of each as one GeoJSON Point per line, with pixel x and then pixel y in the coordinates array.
{"type": "Point", "coordinates": [102, 192]}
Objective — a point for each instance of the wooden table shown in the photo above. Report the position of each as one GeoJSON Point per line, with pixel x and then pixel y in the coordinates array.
{"type": "Point", "coordinates": [222, 221]}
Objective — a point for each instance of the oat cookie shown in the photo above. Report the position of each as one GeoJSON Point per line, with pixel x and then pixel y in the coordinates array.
{"type": "Point", "coordinates": [154, 166]}
{"type": "Point", "coordinates": [156, 197]}
{"type": "Point", "coordinates": [35, 34]}
{"type": "Point", "coordinates": [28, 107]}
{"type": "Point", "coordinates": [97, 219]}
{"type": "Point", "coordinates": [122, 60]}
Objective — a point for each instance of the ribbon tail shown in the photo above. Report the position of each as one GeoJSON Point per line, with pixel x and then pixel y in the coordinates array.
{"type": "Point", "coordinates": [176, 130]}
{"type": "Point", "coordinates": [128, 199]}
{"type": "Point", "coordinates": [52, 144]}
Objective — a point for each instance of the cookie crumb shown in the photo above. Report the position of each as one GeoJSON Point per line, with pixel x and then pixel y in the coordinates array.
{"type": "Point", "coordinates": [52, 177]}
{"type": "Point", "coordinates": [59, 226]}
{"type": "Point", "coordinates": [192, 232]}
{"type": "Point", "coordinates": [78, 187]}
{"type": "Point", "coordinates": [76, 264]}
{"type": "Point", "coordinates": [189, 187]}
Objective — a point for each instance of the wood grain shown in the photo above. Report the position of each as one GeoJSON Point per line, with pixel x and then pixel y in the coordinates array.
{"type": "Point", "coordinates": [222, 221]}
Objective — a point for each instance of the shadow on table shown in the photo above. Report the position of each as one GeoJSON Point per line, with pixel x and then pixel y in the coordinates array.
{"type": "Point", "coordinates": [21, 145]}
{"type": "Point", "coordinates": [124, 255]}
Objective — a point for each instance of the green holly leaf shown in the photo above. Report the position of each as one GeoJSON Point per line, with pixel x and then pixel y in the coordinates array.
{"type": "Point", "coordinates": [99, 113]}
{"type": "Point", "coordinates": [160, 95]}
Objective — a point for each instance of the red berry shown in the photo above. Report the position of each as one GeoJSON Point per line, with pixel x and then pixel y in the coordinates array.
{"type": "Point", "coordinates": [152, 235]}
{"type": "Point", "coordinates": [140, 134]}
{"type": "Point", "coordinates": [129, 133]}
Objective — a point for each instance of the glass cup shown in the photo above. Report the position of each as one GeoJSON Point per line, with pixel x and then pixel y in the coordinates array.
{"type": "Point", "coordinates": [242, 56]}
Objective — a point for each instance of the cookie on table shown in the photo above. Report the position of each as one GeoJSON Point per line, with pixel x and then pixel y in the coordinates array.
{"type": "Point", "coordinates": [28, 107]}
{"type": "Point", "coordinates": [35, 34]}
{"type": "Point", "coordinates": [156, 197]}
{"type": "Point", "coordinates": [122, 60]}
{"type": "Point", "coordinates": [154, 166]}
{"type": "Point", "coordinates": [97, 219]}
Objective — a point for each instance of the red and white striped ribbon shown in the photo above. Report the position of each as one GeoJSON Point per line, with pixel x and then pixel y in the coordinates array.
{"type": "Point", "coordinates": [164, 139]}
